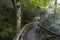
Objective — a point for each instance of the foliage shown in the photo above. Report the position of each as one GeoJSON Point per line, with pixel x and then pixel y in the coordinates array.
{"type": "Point", "coordinates": [32, 9]}
{"type": "Point", "coordinates": [27, 17]}
{"type": "Point", "coordinates": [31, 4]}
{"type": "Point", "coordinates": [40, 3]}
{"type": "Point", "coordinates": [7, 23]}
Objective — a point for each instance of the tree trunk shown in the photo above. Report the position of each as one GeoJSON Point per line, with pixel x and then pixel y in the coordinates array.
{"type": "Point", "coordinates": [17, 12]}
{"type": "Point", "coordinates": [18, 16]}
{"type": "Point", "coordinates": [55, 10]}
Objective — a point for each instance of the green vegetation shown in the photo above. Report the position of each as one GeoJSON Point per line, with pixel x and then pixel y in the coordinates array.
{"type": "Point", "coordinates": [7, 22]}
{"type": "Point", "coordinates": [31, 10]}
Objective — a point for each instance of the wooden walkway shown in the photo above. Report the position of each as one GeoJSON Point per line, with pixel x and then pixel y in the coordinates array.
{"type": "Point", "coordinates": [35, 31]}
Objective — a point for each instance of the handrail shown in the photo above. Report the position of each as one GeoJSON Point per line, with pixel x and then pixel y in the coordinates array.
{"type": "Point", "coordinates": [54, 33]}
{"type": "Point", "coordinates": [17, 37]}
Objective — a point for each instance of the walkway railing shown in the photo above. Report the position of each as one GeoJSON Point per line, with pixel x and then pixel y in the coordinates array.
{"type": "Point", "coordinates": [46, 34]}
